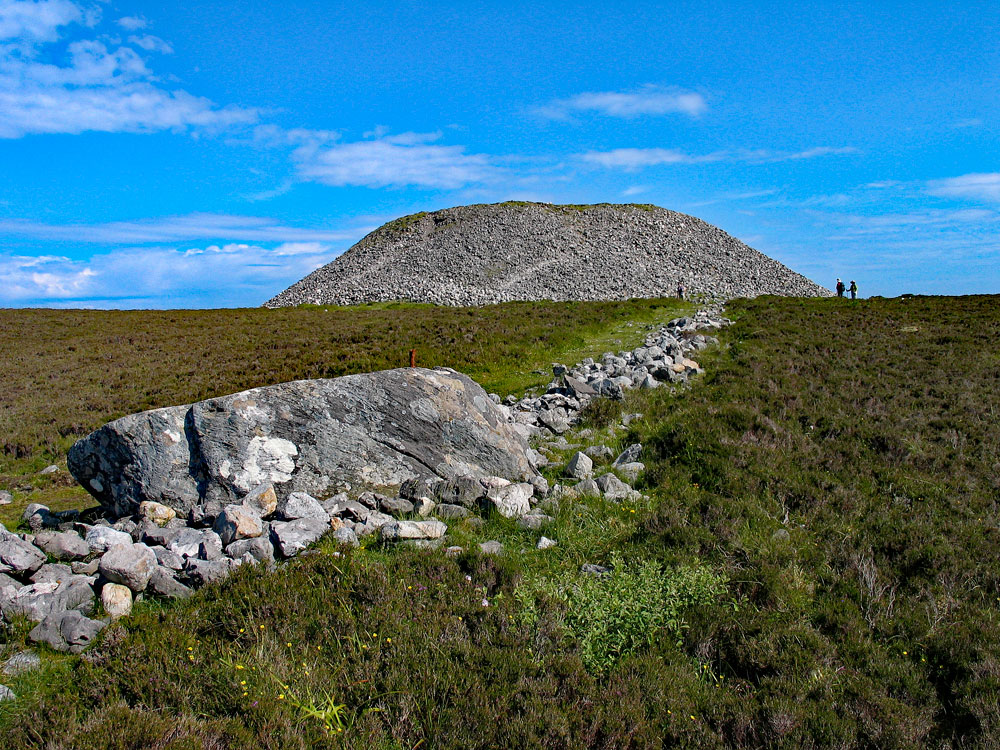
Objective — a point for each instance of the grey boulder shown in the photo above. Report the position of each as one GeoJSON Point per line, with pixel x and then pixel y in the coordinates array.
{"type": "Point", "coordinates": [370, 430]}
{"type": "Point", "coordinates": [534, 521]}
{"type": "Point", "coordinates": [512, 500]}
{"type": "Point", "coordinates": [131, 565]}
{"type": "Point", "coordinates": [300, 505]}
{"type": "Point", "coordinates": [101, 538]}
{"type": "Point", "coordinates": [238, 522]}
{"type": "Point", "coordinates": [629, 455]}
{"type": "Point", "coordinates": [34, 602]}
{"type": "Point", "coordinates": [613, 488]}
{"type": "Point", "coordinates": [402, 530]}
{"type": "Point", "coordinates": [291, 537]}
{"type": "Point", "coordinates": [164, 583]}
{"type": "Point", "coordinates": [580, 466]}
{"type": "Point", "coordinates": [66, 631]}
{"type": "Point", "coordinates": [21, 663]}
{"type": "Point", "coordinates": [202, 572]}
{"type": "Point", "coordinates": [259, 548]}
{"type": "Point", "coordinates": [18, 556]}
{"type": "Point", "coordinates": [346, 536]}
{"type": "Point", "coordinates": [67, 545]}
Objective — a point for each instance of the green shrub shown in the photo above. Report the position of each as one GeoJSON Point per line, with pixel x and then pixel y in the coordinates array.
{"type": "Point", "coordinates": [614, 615]}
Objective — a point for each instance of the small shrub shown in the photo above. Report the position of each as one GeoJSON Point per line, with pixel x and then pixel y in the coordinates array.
{"type": "Point", "coordinates": [615, 615]}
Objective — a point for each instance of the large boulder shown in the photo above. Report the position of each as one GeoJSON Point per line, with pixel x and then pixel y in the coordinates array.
{"type": "Point", "coordinates": [373, 430]}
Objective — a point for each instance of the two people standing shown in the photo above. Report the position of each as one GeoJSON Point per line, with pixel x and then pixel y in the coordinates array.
{"type": "Point", "coordinates": [841, 288]}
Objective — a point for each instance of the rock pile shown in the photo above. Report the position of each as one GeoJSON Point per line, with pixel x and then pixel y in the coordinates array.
{"type": "Point", "coordinates": [158, 549]}
{"type": "Point", "coordinates": [485, 254]}
{"type": "Point", "coordinates": [665, 357]}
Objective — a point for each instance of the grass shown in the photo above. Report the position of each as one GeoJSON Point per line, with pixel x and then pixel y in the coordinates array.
{"type": "Point", "coordinates": [838, 467]}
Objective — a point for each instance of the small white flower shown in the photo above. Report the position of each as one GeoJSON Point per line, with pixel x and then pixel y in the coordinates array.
{"type": "Point", "coordinates": [485, 603]}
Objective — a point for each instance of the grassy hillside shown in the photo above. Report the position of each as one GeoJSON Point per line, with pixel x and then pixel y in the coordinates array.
{"type": "Point", "coordinates": [817, 568]}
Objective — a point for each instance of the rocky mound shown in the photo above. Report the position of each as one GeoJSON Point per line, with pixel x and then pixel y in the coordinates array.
{"type": "Point", "coordinates": [485, 254]}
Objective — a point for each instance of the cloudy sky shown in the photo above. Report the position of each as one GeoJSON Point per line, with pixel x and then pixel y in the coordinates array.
{"type": "Point", "coordinates": [159, 156]}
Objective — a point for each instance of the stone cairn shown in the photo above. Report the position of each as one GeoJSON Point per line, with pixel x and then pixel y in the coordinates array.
{"type": "Point", "coordinates": [156, 553]}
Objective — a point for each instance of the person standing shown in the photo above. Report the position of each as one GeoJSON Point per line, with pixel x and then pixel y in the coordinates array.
{"type": "Point", "coordinates": [840, 288]}
{"type": "Point", "coordinates": [854, 290]}
{"type": "Point", "coordinates": [680, 290]}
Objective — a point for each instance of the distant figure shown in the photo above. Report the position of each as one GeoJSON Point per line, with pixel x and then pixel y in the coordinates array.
{"type": "Point", "coordinates": [680, 290]}
{"type": "Point", "coordinates": [854, 290]}
{"type": "Point", "coordinates": [840, 288]}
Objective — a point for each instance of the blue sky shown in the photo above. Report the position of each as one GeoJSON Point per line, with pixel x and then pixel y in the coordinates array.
{"type": "Point", "coordinates": [154, 156]}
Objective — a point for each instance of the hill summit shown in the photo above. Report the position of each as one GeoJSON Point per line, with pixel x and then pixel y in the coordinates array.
{"type": "Point", "coordinates": [485, 254]}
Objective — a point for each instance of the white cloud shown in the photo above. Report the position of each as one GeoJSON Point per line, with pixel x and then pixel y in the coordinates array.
{"type": "Point", "coordinates": [216, 275]}
{"type": "Point", "coordinates": [132, 23]}
{"type": "Point", "coordinates": [631, 159]}
{"type": "Point", "coordinates": [650, 100]}
{"type": "Point", "coordinates": [26, 20]}
{"type": "Point", "coordinates": [984, 186]}
{"type": "Point", "coordinates": [768, 155]}
{"type": "Point", "coordinates": [635, 190]}
{"type": "Point", "coordinates": [179, 228]}
{"type": "Point", "coordinates": [95, 87]}
{"type": "Point", "coordinates": [301, 248]}
{"type": "Point", "coordinates": [151, 43]}
{"type": "Point", "coordinates": [407, 159]}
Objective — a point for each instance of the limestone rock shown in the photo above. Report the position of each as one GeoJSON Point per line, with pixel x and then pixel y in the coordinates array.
{"type": "Point", "coordinates": [300, 505]}
{"type": "Point", "coordinates": [101, 538]}
{"type": "Point", "coordinates": [18, 556]}
{"type": "Point", "coordinates": [534, 521]}
{"type": "Point", "coordinates": [164, 583]}
{"type": "Point", "coordinates": [375, 429]}
{"type": "Point", "coordinates": [239, 522]}
{"type": "Point", "coordinates": [203, 572]}
{"type": "Point", "coordinates": [262, 500]}
{"type": "Point", "coordinates": [396, 506]}
{"type": "Point", "coordinates": [291, 537]}
{"type": "Point", "coordinates": [66, 545]}
{"type": "Point", "coordinates": [259, 548]}
{"type": "Point", "coordinates": [130, 565]}
{"type": "Point", "coordinates": [21, 663]}
{"type": "Point", "coordinates": [613, 488]}
{"type": "Point", "coordinates": [344, 535]}
{"type": "Point", "coordinates": [580, 466]}
{"type": "Point", "coordinates": [158, 513]}
{"type": "Point", "coordinates": [629, 455]}
{"type": "Point", "coordinates": [116, 600]}
{"type": "Point", "coordinates": [491, 547]}
{"type": "Point", "coordinates": [512, 501]}
{"type": "Point", "coordinates": [66, 631]}
{"type": "Point", "coordinates": [450, 512]}
{"type": "Point", "coordinates": [400, 530]}
{"type": "Point", "coordinates": [546, 543]}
